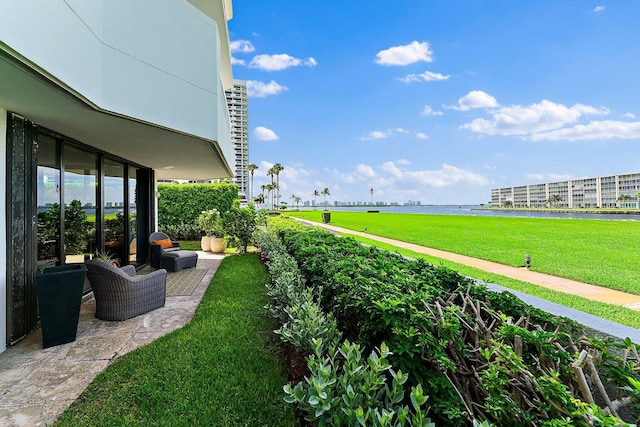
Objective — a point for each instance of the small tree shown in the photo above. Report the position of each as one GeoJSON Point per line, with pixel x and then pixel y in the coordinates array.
{"type": "Point", "coordinates": [239, 225]}
{"type": "Point", "coordinates": [315, 194]}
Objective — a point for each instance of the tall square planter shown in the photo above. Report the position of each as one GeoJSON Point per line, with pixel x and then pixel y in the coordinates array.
{"type": "Point", "coordinates": [59, 299]}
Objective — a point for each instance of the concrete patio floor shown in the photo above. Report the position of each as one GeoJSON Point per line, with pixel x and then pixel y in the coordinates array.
{"type": "Point", "coordinates": [37, 385]}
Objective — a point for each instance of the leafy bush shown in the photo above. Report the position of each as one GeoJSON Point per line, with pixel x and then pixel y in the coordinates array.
{"type": "Point", "coordinates": [240, 224]}
{"type": "Point", "coordinates": [343, 390]}
{"type": "Point", "coordinates": [210, 223]}
{"type": "Point", "coordinates": [181, 231]}
{"type": "Point", "coordinates": [183, 203]}
{"type": "Point", "coordinates": [338, 392]}
{"type": "Point", "coordinates": [481, 355]}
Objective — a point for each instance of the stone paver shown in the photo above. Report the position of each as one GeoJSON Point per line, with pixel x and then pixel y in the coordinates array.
{"type": "Point", "coordinates": [37, 385]}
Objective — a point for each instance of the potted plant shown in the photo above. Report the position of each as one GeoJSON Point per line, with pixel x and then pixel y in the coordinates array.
{"type": "Point", "coordinates": [211, 224]}
{"type": "Point", "coordinates": [108, 258]}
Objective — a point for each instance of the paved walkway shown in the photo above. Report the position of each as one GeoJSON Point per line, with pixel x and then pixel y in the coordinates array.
{"type": "Point", "coordinates": [567, 286]}
{"type": "Point", "coordinates": [37, 385]}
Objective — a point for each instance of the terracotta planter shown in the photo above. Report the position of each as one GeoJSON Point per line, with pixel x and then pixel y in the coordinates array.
{"type": "Point", "coordinates": [218, 244]}
{"type": "Point", "coordinates": [205, 243]}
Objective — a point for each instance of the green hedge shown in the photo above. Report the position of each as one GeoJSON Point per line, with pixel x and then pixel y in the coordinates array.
{"type": "Point", "coordinates": [479, 355]}
{"type": "Point", "coordinates": [182, 203]}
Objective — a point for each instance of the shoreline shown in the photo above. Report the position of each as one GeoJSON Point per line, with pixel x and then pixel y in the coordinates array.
{"type": "Point", "coordinates": [565, 211]}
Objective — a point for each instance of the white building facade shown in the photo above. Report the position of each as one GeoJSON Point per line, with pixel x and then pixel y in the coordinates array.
{"type": "Point", "coordinates": [98, 99]}
{"type": "Point", "coordinates": [613, 191]}
{"type": "Point", "coordinates": [238, 104]}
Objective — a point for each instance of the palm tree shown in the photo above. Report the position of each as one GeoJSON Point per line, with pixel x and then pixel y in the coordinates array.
{"type": "Point", "coordinates": [269, 188]}
{"type": "Point", "coordinates": [251, 168]}
{"type": "Point", "coordinates": [554, 199]}
{"type": "Point", "coordinates": [259, 199]}
{"type": "Point", "coordinates": [271, 172]}
{"type": "Point", "coordinates": [277, 168]}
{"type": "Point", "coordinates": [315, 194]}
{"type": "Point", "coordinates": [623, 198]}
{"type": "Point", "coordinates": [292, 197]}
{"type": "Point", "coordinates": [325, 193]}
{"type": "Point", "coordinates": [298, 200]}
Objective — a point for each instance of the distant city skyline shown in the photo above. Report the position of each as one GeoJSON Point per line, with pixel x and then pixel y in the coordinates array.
{"type": "Point", "coordinates": [438, 101]}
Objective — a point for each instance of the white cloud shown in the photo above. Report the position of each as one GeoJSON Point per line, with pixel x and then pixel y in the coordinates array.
{"type": "Point", "coordinates": [236, 61]}
{"type": "Point", "coordinates": [243, 46]}
{"type": "Point", "coordinates": [475, 99]}
{"type": "Point", "coordinates": [598, 9]}
{"type": "Point", "coordinates": [376, 134]}
{"type": "Point", "coordinates": [383, 134]}
{"type": "Point", "coordinates": [446, 176]}
{"type": "Point", "coordinates": [405, 55]}
{"type": "Point", "coordinates": [264, 134]}
{"type": "Point", "coordinates": [260, 89]}
{"type": "Point", "coordinates": [427, 76]}
{"type": "Point", "coordinates": [530, 119]}
{"type": "Point", "coordinates": [403, 162]}
{"type": "Point", "coordinates": [365, 171]}
{"type": "Point", "coordinates": [428, 111]}
{"type": "Point", "coordinates": [548, 177]}
{"type": "Point", "coordinates": [421, 135]}
{"type": "Point", "coordinates": [604, 129]}
{"type": "Point", "coordinates": [629, 115]}
{"type": "Point", "coordinates": [279, 62]}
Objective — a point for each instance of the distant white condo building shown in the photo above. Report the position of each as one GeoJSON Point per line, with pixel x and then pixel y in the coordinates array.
{"type": "Point", "coordinates": [599, 192]}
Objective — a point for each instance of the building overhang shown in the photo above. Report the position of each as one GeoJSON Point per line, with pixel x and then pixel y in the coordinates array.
{"type": "Point", "coordinates": [221, 12]}
{"type": "Point", "coordinates": [32, 93]}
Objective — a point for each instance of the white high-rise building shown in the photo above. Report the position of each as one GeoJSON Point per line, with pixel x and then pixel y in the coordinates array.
{"type": "Point", "coordinates": [239, 114]}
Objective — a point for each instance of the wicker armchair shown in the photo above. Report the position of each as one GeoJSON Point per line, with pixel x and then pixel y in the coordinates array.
{"type": "Point", "coordinates": [157, 250]}
{"type": "Point", "coordinates": [120, 294]}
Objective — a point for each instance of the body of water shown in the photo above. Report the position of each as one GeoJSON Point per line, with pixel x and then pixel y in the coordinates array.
{"type": "Point", "coordinates": [477, 210]}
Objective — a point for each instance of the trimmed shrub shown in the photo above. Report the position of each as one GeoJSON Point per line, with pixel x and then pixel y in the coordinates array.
{"type": "Point", "coordinates": [182, 203]}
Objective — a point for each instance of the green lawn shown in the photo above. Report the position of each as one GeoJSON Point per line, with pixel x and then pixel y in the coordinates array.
{"type": "Point", "coordinates": [224, 368]}
{"type": "Point", "coordinates": [600, 252]}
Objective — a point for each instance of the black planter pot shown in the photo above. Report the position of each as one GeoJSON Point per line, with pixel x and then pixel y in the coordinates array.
{"type": "Point", "coordinates": [59, 300]}
{"type": "Point", "coordinates": [326, 217]}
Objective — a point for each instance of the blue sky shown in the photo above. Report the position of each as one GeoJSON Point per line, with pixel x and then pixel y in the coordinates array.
{"type": "Point", "coordinates": [438, 101]}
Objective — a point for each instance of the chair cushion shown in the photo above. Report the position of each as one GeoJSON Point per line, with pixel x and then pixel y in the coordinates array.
{"type": "Point", "coordinates": [165, 243]}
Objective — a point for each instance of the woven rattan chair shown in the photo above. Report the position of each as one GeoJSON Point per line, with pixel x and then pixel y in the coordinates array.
{"type": "Point", "coordinates": [120, 294]}
{"type": "Point", "coordinates": [155, 259]}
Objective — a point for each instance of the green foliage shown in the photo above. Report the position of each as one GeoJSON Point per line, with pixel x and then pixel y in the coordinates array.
{"type": "Point", "coordinates": [183, 203]}
{"type": "Point", "coordinates": [106, 257]}
{"type": "Point", "coordinates": [345, 390]}
{"type": "Point", "coordinates": [579, 249]}
{"type": "Point", "coordinates": [306, 323]}
{"type": "Point", "coordinates": [210, 222]}
{"type": "Point", "coordinates": [240, 224]}
{"type": "Point", "coordinates": [76, 228]}
{"type": "Point", "coordinates": [426, 315]}
{"type": "Point", "coordinates": [182, 231]}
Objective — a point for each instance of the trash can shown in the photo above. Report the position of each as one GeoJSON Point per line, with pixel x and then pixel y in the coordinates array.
{"type": "Point", "coordinates": [326, 217]}
{"type": "Point", "coordinates": [59, 298]}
